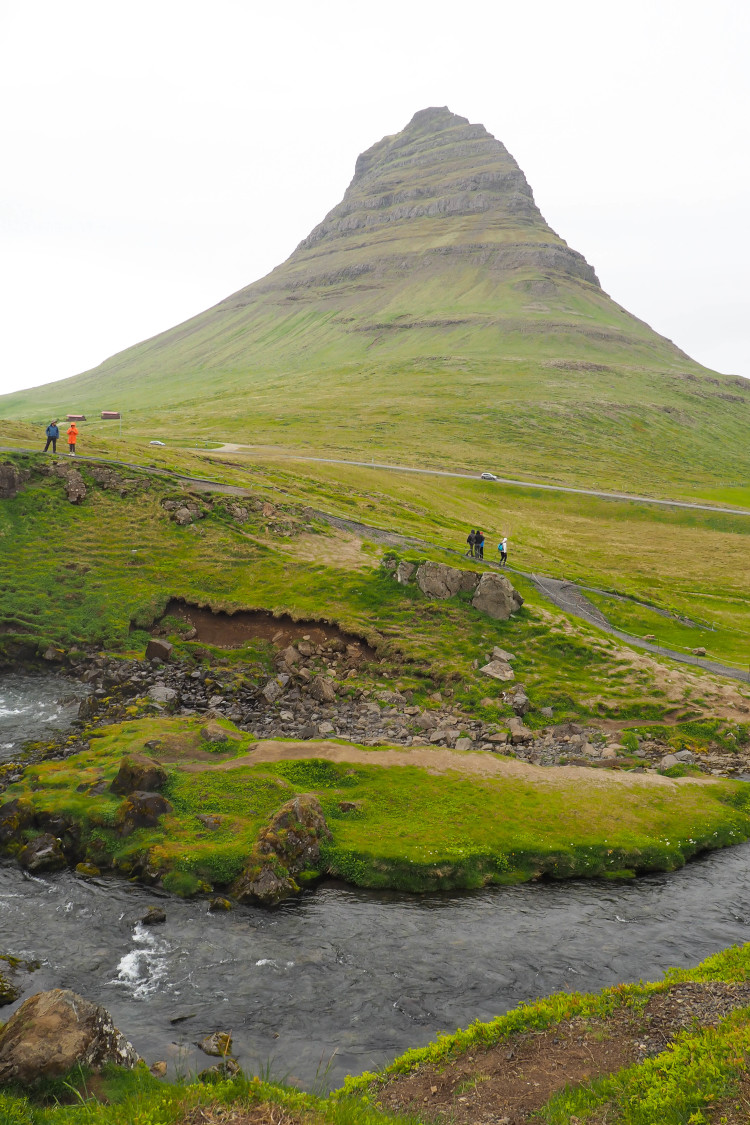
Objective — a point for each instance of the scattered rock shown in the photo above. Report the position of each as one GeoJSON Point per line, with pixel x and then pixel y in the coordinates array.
{"type": "Point", "coordinates": [158, 1069]}
{"type": "Point", "coordinates": [685, 756]}
{"type": "Point", "coordinates": [308, 730]}
{"type": "Point", "coordinates": [184, 516]}
{"type": "Point", "coordinates": [498, 670]}
{"type": "Point", "coordinates": [138, 772]}
{"type": "Point", "coordinates": [212, 732]}
{"type": "Point", "coordinates": [216, 905]}
{"type": "Point", "coordinates": [52, 654]}
{"type": "Point", "coordinates": [87, 870]}
{"type": "Point", "coordinates": [700, 651]}
{"type": "Point", "coordinates": [226, 1069]}
{"type": "Point", "coordinates": [210, 821]}
{"type": "Point", "coordinates": [496, 597]}
{"type": "Point", "coordinates": [437, 580]}
{"type": "Point", "coordinates": [154, 916]}
{"type": "Point", "coordinates": [609, 753]}
{"type": "Point", "coordinates": [501, 654]}
{"type": "Point", "coordinates": [521, 703]}
{"type": "Point", "coordinates": [668, 761]}
{"type": "Point", "coordinates": [275, 688]}
{"type": "Point", "coordinates": [54, 1031]}
{"type": "Point", "coordinates": [160, 693]}
{"type": "Point", "coordinates": [547, 712]}
{"type": "Point", "coordinates": [518, 732]}
{"type": "Point", "coordinates": [290, 655]}
{"type": "Point", "coordinates": [44, 853]}
{"type": "Point", "coordinates": [323, 690]}
{"type": "Point", "coordinates": [464, 744]}
{"type": "Point", "coordinates": [157, 647]}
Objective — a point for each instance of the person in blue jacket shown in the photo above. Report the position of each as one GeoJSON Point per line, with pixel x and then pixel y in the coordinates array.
{"type": "Point", "coordinates": [52, 435]}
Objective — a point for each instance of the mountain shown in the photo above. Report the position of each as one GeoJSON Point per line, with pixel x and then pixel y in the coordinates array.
{"type": "Point", "coordinates": [433, 314]}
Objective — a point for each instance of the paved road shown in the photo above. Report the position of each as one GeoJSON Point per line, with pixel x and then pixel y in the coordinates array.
{"type": "Point", "coordinates": [230, 447]}
{"type": "Point", "coordinates": [565, 595]}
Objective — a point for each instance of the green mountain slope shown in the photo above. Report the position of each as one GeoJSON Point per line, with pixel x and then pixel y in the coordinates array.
{"type": "Point", "coordinates": [433, 315]}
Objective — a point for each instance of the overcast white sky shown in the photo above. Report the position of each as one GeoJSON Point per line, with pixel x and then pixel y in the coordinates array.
{"type": "Point", "coordinates": [157, 155]}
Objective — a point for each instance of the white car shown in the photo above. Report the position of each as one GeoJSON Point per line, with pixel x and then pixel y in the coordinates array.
{"type": "Point", "coordinates": [157, 443]}
{"type": "Point", "coordinates": [488, 476]}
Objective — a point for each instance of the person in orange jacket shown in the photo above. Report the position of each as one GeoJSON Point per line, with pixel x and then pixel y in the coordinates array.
{"type": "Point", "coordinates": [72, 438]}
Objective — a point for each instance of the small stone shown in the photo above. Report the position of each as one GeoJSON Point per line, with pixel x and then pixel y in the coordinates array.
{"type": "Point", "coordinates": [218, 1044]}
{"type": "Point", "coordinates": [216, 905]}
{"type": "Point", "coordinates": [499, 670]}
{"type": "Point", "coordinates": [547, 712]}
{"type": "Point", "coordinates": [686, 756]}
{"type": "Point", "coordinates": [210, 821]}
{"type": "Point", "coordinates": [326, 728]}
{"type": "Point", "coordinates": [501, 654]}
{"type": "Point", "coordinates": [464, 744]}
{"type": "Point", "coordinates": [160, 693]}
{"type": "Point", "coordinates": [700, 651]}
{"type": "Point", "coordinates": [158, 1069]}
{"type": "Point", "coordinates": [609, 753]}
{"type": "Point", "coordinates": [212, 732]}
{"type": "Point", "coordinates": [154, 916]}
{"type": "Point", "coordinates": [308, 730]}
{"type": "Point", "coordinates": [87, 870]}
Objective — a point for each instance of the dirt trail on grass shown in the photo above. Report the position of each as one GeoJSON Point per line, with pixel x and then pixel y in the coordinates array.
{"type": "Point", "coordinates": [440, 760]}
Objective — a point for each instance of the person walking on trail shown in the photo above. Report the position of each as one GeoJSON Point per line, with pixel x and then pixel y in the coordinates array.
{"type": "Point", "coordinates": [72, 438]}
{"type": "Point", "coordinates": [503, 549]}
{"type": "Point", "coordinates": [53, 434]}
{"type": "Point", "coordinates": [471, 539]}
{"type": "Point", "coordinates": [479, 545]}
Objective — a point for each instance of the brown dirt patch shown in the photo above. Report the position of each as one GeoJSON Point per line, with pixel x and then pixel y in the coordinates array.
{"type": "Point", "coordinates": [230, 630]}
{"type": "Point", "coordinates": [187, 747]}
{"type": "Point", "coordinates": [510, 1082]}
{"type": "Point", "coordinates": [734, 1110]}
{"type": "Point", "coordinates": [263, 1114]}
{"type": "Point", "coordinates": [438, 760]}
{"type": "Point", "coordinates": [339, 550]}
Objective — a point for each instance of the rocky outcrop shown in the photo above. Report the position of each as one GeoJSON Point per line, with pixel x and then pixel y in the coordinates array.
{"type": "Point", "coordinates": [496, 597]}
{"type": "Point", "coordinates": [10, 481]}
{"type": "Point", "coordinates": [138, 772]}
{"type": "Point", "coordinates": [289, 845]}
{"type": "Point", "coordinates": [44, 853]}
{"type": "Point", "coordinates": [15, 817]}
{"type": "Point", "coordinates": [141, 810]}
{"type": "Point", "coordinates": [437, 580]}
{"type": "Point", "coordinates": [54, 1031]}
{"type": "Point", "coordinates": [75, 488]}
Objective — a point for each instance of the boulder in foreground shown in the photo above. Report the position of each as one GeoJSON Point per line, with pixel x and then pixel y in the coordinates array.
{"type": "Point", "coordinates": [54, 1031]}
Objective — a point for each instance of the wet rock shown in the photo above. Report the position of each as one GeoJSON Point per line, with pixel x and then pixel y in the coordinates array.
{"type": "Point", "coordinates": [141, 810]}
{"type": "Point", "coordinates": [75, 489]}
{"type": "Point", "coordinates": [217, 905]}
{"type": "Point", "coordinates": [404, 572]}
{"type": "Point", "coordinates": [15, 817]}
{"type": "Point", "coordinates": [496, 597]}
{"type": "Point", "coordinates": [158, 647]}
{"type": "Point", "coordinates": [499, 670]}
{"type": "Point", "coordinates": [218, 1044]}
{"type": "Point", "coordinates": [322, 689]}
{"type": "Point", "coordinates": [54, 1031]}
{"type": "Point", "coordinates": [87, 870]}
{"type": "Point", "coordinates": [138, 772]}
{"type": "Point", "coordinates": [437, 580]}
{"type": "Point", "coordinates": [288, 845]}
{"type": "Point", "coordinates": [43, 854]}
{"type": "Point", "coordinates": [154, 916]}
{"type": "Point", "coordinates": [160, 693]}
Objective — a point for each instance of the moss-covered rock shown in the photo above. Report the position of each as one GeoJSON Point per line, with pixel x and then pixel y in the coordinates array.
{"type": "Point", "coordinates": [289, 845]}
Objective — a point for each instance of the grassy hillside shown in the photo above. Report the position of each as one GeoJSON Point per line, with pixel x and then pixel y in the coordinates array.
{"type": "Point", "coordinates": [432, 316]}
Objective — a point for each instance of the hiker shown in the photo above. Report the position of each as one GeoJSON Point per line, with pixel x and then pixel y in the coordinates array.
{"type": "Point", "coordinates": [53, 434]}
{"type": "Point", "coordinates": [478, 545]}
{"type": "Point", "coordinates": [72, 437]}
{"type": "Point", "coordinates": [503, 549]}
{"type": "Point", "coordinates": [471, 539]}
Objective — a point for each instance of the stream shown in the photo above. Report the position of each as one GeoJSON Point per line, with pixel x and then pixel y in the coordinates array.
{"type": "Point", "coordinates": [342, 980]}
{"type": "Point", "coordinates": [35, 706]}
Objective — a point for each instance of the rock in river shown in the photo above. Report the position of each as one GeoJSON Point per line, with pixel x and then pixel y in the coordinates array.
{"type": "Point", "coordinates": [42, 854]}
{"type": "Point", "coordinates": [288, 845]}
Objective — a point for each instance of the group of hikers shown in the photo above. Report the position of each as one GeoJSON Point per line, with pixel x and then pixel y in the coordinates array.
{"type": "Point", "coordinates": [53, 434]}
{"type": "Point", "coordinates": [475, 539]}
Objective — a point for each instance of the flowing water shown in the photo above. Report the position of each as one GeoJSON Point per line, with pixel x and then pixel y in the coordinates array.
{"type": "Point", "coordinates": [34, 707]}
{"type": "Point", "coordinates": [340, 980]}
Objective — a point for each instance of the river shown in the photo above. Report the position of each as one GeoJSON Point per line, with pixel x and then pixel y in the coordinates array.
{"type": "Point", "coordinates": [342, 980]}
{"type": "Point", "coordinates": [35, 706]}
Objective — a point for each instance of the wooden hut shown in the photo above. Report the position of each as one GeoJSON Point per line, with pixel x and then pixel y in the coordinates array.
{"type": "Point", "coordinates": [109, 414]}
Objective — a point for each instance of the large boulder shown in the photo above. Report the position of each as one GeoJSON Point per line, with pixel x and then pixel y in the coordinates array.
{"type": "Point", "coordinates": [141, 810]}
{"type": "Point", "coordinates": [54, 1031]}
{"type": "Point", "coordinates": [496, 597]}
{"type": "Point", "coordinates": [323, 690]}
{"type": "Point", "coordinates": [44, 853]}
{"type": "Point", "coordinates": [138, 772]}
{"type": "Point", "coordinates": [289, 844]}
{"type": "Point", "coordinates": [437, 580]}
{"type": "Point", "coordinates": [158, 648]}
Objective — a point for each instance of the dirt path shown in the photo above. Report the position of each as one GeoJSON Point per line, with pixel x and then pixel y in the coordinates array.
{"type": "Point", "coordinates": [441, 760]}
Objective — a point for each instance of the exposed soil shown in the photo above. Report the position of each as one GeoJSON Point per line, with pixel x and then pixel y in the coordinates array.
{"type": "Point", "coordinates": [734, 1110]}
{"type": "Point", "coordinates": [508, 1083]}
{"type": "Point", "coordinates": [232, 630]}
